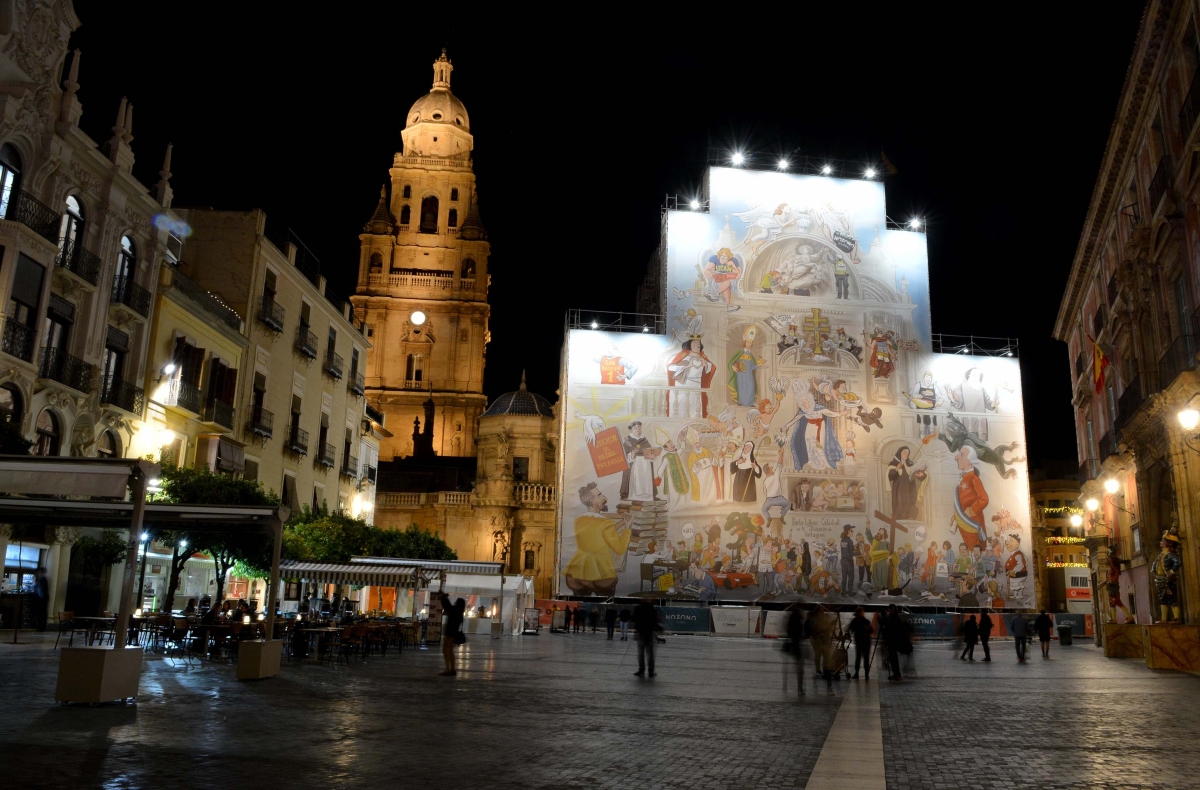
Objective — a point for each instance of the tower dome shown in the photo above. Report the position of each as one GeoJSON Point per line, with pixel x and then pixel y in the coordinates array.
{"type": "Point", "coordinates": [521, 403]}
{"type": "Point", "coordinates": [437, 124]}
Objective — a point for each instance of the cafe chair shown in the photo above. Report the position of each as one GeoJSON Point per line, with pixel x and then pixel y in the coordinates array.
{"type": "Point", "coordinates": [65, 620]}
{"type": "Point", "coordinates": [647, 576]}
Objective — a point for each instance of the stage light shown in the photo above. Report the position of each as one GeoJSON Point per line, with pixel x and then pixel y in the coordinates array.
{"type": "Point", "coordinates": [168, 368]}
{"type": "Point", "coordinates": [915, 223]}
{"type": "Point", "coordinates": [645, 329]}
{"type": "Point", "coordinates": [1189, 419]}
{"type": "Point", "coordinates": [1111, 485]}
{"type": "Point", "coordinates": [1076, 520]}
{"type": "Point", "coordinates": [145, 537]}
{"type": "Point", "coordinates": [737, 158]}
{"type": "Point", "coordinates": [870, 172]}
{"type": "Point", "coordinates": [1092, 504]}
{"type": "Point", "coordinates": [695, 205]}
{"type": "Point", "coordinates": [595, 325]}
{"type": "Point", "coordinates": [783, 164]}
{"type": "Point", "coordinates": [826, 170]}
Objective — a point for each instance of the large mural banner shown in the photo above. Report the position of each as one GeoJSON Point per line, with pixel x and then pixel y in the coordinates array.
{"type": "Point", "coordinates": [794, 437]}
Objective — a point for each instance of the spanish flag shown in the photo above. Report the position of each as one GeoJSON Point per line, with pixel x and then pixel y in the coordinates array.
{"type": "Point", "coordinates": [1099, 363]}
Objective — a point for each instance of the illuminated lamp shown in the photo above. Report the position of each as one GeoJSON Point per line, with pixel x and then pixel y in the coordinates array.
{"type": "Point", "coordinates": [245, 619]}
{"type": "Point", "coordinates": [1092, 504]}
{"type": "Point", "coordinates": [914, 223]}
{"type": "Point", "coordinates": [695, 205]}
{"type": "Point", "coordinates": [737, 158]}
{"type": "Point", "coordinates": [783, 164]}
{"type": "Point", "coordinates": [595, 325]}
{"type": "Point", "coordinates": [1189, 419]}
{"type": "Point", "coordinates": [826, 170]}
{"type": "Point", "coordinates": [1111, 485]}
{"type": "Point", "coordinates": [417, 317]}
{"type": "Point", "coordinates": [870, 172]}
{"type": "Point", "coordinates": [1076, 520]}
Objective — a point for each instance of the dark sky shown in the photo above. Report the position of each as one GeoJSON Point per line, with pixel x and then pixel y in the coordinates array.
{"type": "Point", "coordinates": [996, 123]}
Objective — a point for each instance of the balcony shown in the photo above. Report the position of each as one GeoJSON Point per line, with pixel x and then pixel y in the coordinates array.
{"type": "Point", "coordinates": [373, 414]}
{"type": "Point", "coordinates": [533, 494]}
{"type": "Point", "coordinates": [350, 468]}
{"type": "Point", "coordinates": [1107, 445]}
{"type": "Point", "coordinates": [326, 455]}
{"type": "Point", "coordinates": [370, 473]}
{"type": "Point", "coordinates": [77, 260]}
{"type": "Point", "coordinates": [219, 413]}
{"type": "Point", "coordinates": [453, 498]}
{"type": "Point", "coordinates": [261, 422]}
{"type": "Point", "coordinates": [125, 291]}
{"type": "Point", "coordinates": [1129, 402]}
{"type": "Point", "coordinates": [357, 384]}
{"type": "Point", "coordinates": [17, 340]}
{"type": "Point", "coordinates": [123, 395]}
{"type": "Point", "coordinates": [270, 313]}
{"type": "Point", "coordinates": [1160, 183]}
{"type": "Point", "coordinates": [184, 395]}
{"type": "Point", "coordinates": [57, 365]}
{"type": "Point", "coordinates": [306, 341]}
{"type": "Point", "coordinates": [35, 215]}
{"type": "Point", "coordinates": [1179, 356]}
{"type": "Point", "coordinates": [1087, 470]}
{"type": "Point", "coordinates": [1188, 114]}
{"type": "Point", "coordinates": [415, 384]}
{"type": "Point", "coordinates": [297, 441]}
{"type": "Point", "coordinates": [333, 365]}
{"type": "Point", "coordinates": [208, 301]}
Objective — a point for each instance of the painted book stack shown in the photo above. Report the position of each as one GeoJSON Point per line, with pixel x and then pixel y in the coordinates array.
{"type": "Point", "coordinates": [649, 523]}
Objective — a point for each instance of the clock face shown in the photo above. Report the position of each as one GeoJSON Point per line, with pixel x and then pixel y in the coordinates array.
{"type": "Point", "coordinates": [417, 317]}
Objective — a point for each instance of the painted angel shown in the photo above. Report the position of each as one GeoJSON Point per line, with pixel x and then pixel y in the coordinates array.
{"type": "Point", "coordinates": [764, 223]}
{"type": "Point", "coordinates": [760, 418]}
{"type": "Point", "coordinates": [693, 325]}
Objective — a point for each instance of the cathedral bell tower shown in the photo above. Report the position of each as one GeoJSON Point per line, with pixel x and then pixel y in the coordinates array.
{"type": "Point", "coordinates": [423, 279]}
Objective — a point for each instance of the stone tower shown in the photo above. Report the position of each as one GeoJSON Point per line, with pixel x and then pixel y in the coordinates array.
{"type": "Point", "coordinates": [423, 279]}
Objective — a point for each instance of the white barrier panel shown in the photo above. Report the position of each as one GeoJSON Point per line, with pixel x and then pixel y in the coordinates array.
{"type": "Point", "coordinates": [731, 620]}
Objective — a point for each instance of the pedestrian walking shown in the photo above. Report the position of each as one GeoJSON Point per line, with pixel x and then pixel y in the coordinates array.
{"type": "Point", "coordinates": [985, 633]}
{"type": "Point", "coordinates": [821, 636]}
{"type": "Point", "coordinates": [893, 639]}
{"type": "Point", "coordinates": [793, 648]}
{"type": "Point", "coordinates": [861, 629]}
{"type": "Point", "coordinates": [593, 618]}
{"type": "Point", "coordinates": [610, 620]}
{"type": "Point", "coordinates": [645, 625]}
{"type": "Point", "coordinates": [579, 615]}
{"type": "Point", "coordinates": [625, 616]}
{"type": "Point", "coordinates": [970, 632]}
{"type": "Point", "coordinates": [1043, 625]}
{"type": "Point", "coordinates": [452, 633]}
{"type": "Point", "coordinates": [1018, 626]}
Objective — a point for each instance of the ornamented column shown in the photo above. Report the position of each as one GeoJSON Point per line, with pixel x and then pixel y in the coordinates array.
{"type": "Point", "coordinates": [58, 569]}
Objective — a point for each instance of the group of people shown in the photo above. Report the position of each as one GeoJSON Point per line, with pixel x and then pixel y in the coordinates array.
{"type": "Point", "coordinates": [822, 629]}
{"type": "Point", "coordinates": [1018, 626]}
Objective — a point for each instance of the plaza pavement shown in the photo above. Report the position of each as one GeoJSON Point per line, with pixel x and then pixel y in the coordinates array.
{"type": "Point", "coordinates": [565, 711]}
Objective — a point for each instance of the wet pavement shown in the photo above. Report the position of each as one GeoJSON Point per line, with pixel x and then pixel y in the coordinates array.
{"type": "Point", "coordinates": [565, 711]}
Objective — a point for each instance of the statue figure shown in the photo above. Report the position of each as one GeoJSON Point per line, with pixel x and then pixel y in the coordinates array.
{"type": "Point", "coordinates": [1113, 586]}
{"type": "Point", "coordinates": [1166, 570]}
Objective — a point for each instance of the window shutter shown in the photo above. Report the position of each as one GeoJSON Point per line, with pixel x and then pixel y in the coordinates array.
{"type": "Point", "coordinates": [228, 386]}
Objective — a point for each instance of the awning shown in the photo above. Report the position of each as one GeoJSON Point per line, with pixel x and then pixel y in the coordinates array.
{"type": "Point", "coordinates": [230, 457]}
{"type": "Point", "coordinates": [450, 566]}
{"type": "Point", "coordinates": [346, 573]}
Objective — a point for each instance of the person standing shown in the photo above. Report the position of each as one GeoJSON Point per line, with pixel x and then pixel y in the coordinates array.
{"type": "Point", "coordinates": [822, 636]}
{"type": "Point", "coordinates": [1044, 626]}
{"type": "Point", "coordinates": [893, 637]}
{"type": "Point", "coordinates": [861, 629]}
{"type": "Point", "coordinates": [1018, 626]}
{"type": "Point", "coordinates": [577, 616]}
{"type": "Point", "coordinates": [593, 618]}
{"type": "Point", "coordinates": [985, 633]}
{"type": "Point", "coordinates": [645, 625]}
{"type": "Point", "coordinates": [625, 616]}
{"type": "Point", "coordinates": [795, 635]}
{"type": "Point", "coordinates": [970, 631]}
{"type": "Point", "coordinates": [452, 634]}
{"type": "Point", "coordinates": [610, 620]}
{"type": "Point", "coordinates": [41, 588]}
{"type": "Point", "coordinates": [848, 558]}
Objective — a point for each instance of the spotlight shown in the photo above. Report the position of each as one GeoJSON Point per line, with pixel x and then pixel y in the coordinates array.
{"type": "Point", "coordinates": [595, 325]}
{"type": "Point", "coordinates": [695, 205]}
{"type": "Point", "coordinates": [1111, 485]}
{"type": "Point", "coordinates": [783, 164]}
{"type": "Point", "coordinates": [183, 544]}
{"type": "Point", "coordinates": [826, 170]}
{"type": "Point", "coordinates": [870, 172]}
{"type": "Point", "coordinates": [145, 537]}
{"type": "Point", "coordinates": [737, 158]}
{"type": "Point", "coordinates": [915, 223]}
{"type": "Point", "coordinates": [168, 368]}
{"type": "Point", "coordinates": [645, 329]}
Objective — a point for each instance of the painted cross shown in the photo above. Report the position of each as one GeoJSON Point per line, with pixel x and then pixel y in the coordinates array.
{"type": "Point", "coordinates": [895, 525]}
{"type": "Point", "coordinates": [816, 323]}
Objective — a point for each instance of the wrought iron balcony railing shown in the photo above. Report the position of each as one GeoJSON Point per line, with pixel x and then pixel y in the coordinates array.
{"type": "Point", "coordinates": [327, 455]}
{"type": "Point", "coordinates": [298, 440]}
{"type": "Point", "coordinates": [261, 423]}
{"type": "Point", "coordinates": [76, 259]}
{"type": "Point", "coordinates": [18, 340]}
{"type": "Point", "coordinates": [58, 365]}
{"type": "Point", "coordinates": [350, 468]}
{"type": "Point", "coordinates": [271, 313]}
{"type": "Point", "coordinates": [125, 291]}
{"type": "Point", "coordinates": [220, 413]}
{"type": "Point", "coordinates": [333, 365]}
{"type": "Point", "coordinates": [125, 396]}
{"type": "Point", "coordinates": [185, 395]}
{"type": "Point", "coordinates": [306, 341]}
{"type": "Point", "coordinates": [357, 383]}
{"type": "Point", "coordinates": [35, 215]}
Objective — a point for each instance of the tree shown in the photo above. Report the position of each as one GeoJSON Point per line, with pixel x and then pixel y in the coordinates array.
{"type": "Point", "coordinates": [321, 536]}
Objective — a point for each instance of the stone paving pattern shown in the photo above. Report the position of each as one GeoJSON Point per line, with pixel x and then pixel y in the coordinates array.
{"type": "Point", "coordinates": [565, 711]}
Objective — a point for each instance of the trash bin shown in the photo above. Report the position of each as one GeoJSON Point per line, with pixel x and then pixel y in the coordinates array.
{"type": "Point", "coordinates": [1064, 635]}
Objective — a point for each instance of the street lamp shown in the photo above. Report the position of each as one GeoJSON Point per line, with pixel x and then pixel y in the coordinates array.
{"type": "Point", "coordinates": [1189, 419]}
{"type": "Point", "coordinates": [1076, 520]}
{"type": "Point", "coordinates": [1092, 504]}
{"type": "Point", "coordinates": [1111, 485]}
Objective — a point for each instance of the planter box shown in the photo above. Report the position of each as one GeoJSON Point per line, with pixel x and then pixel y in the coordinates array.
{"type": "Point", "coordinates": [98, 674]}
{"type": "Point", "coordinates": [259, 659]}
{"type": "Point", "coordinates": [1172, 647]}
{"type": "Point", "coordinates": [1124, 640]}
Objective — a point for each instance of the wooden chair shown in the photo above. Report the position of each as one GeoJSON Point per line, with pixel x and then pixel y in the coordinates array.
{"type": "Point", "coordinates": [65, 620]}
{"type": "Point", "coordinates": [647, 571]}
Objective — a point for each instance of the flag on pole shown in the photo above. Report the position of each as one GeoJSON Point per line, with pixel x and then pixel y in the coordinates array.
{"type": "Point", "coordinates": [1099, 363]}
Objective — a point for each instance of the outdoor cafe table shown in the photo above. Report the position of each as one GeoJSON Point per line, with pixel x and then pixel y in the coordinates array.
{"type": "Point", "coordinates": [321, 633]}
{"type": "Point", "coordinates": [93, 624]}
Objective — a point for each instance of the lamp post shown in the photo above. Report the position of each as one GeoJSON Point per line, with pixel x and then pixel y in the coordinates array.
{"type": "Point", "coordinates": [141, 590]}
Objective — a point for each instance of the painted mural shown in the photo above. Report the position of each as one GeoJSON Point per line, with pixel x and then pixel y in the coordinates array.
{"type": "Point", "coordinates": [793, 437]}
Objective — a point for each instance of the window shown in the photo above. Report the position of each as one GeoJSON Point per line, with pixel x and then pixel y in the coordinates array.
{"type": "Point", "coordinates": [60, 317]}
{"type": "Point", "coordinates": [1112, 410]}
{"type": "Point", "coordinates": [126, 258]}
{"type": "Point", "coordinates": [190, 361]}
{"type": "Point", "coordinates": [306, 316]}
{"type": "Point", "coordinates": [174, 247]}
{"type": "Point", "coordinates": [12, 408]}
{"type": "Point", "coordinates": [296, 403]}
{"type": "Point", "coordinates": [454, 193]}
{"type": "Point", "coordinates": [520, 469]}
{"type": "Point", "coordinates": [10, 177]}
{"type": "Point", "coordinates": [47, 434]}
{"type": "Point", "coordinates": [405, 212]}
{"type": "Point", "coordinates": [332, 342]}
{"type": "Point", "coordinates": [429, 215]}
{"type": "Point", "coordinates": [269, 288]}
{"type": "Point", "coordinates": [467, 270]}
{"type": "Point", "coordinates": [288, 497]}
{"type": "Point", "coordinates": [530, 559]}
{"type": "Point", "coordinates": [222, 381]}
{"type": "Point", "coordinates": [116, 346]}
{"type": "Point", "coordinates": [1091, 444]}
{"type": "Point", "coordinates": [376, 262]}
{"type": "Point", "coordinates": [1181, 305]}
{"type": "Point", "coordinates": [316, 500]}
{"type": "Point", "coordinates": [259, 394]}
{"type": "Point", "coordinates": [407, 191]}
{"type": "Point", "coordinates": [1080, 365]}
{"type": "Point", "coordinates": [70, 232]}
{"type": "Point", "coordinates": [108, 446]}
{"type": "Point", "coordinates": [349, 445]}
{"type": "Point", "coordinates": [353, 363]}
{"type": "Point", "coordinates": [1052, 503]}
{"type": "Point", "coordinates": [452, 218]}
{"type": "Point", "coordinates": [26, 293]}
{"type": "Point", "coordinates": [413, 369]}
{"type": "Point", "coordinates": [251, 470]}
{"type": "Point", "coordinates": [323, 434]}
{"type": "Point", "coordinates": [1099, 321]}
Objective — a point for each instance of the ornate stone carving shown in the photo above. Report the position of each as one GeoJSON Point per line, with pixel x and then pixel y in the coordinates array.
{"type": "Point", "coordinates": [83, 177]}
{"type": "Point", "coordinates": [66, 535]}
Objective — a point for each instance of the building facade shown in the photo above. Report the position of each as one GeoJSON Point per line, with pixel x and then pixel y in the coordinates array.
{"type": "Point", "coordinates": [1060, 554]}
{"type": "Point", "coordinates": [423, 279]}
{"type": "Point", "coordinates": [1129, 318]}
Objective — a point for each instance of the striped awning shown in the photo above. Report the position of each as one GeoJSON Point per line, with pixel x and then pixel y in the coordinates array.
{"type": "Point", "coordinates": [345, 573]}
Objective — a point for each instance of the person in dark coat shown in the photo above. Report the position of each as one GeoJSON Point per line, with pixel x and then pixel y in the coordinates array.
{"type": "Point", "coordinates": [578, 617]}
{"type": "Point", "coordinates": [625, 617]}
{"type": "Point", "coordinates": [1043, 625]}
{"type": "Point", "coordinates": [985, 633]}
{"type": "Point", "coordinates": [610, 620]}
{"type": "Point", "coordinates": [455, 612]}
{"type": "Point", "coordinates": [645, 625]}
{"type": "Point", "coordinates": [970, 632]}
{"type": "Point", "coordinates": [41, 587]}
{"type": "Point", "coordinates": [794, 648]}
{"type": "Point", "coordinates": [893, 640]}
{"type": "Point", "coordinates": [593, 618]}
{"type": "Point", "coordinates": [860, 627]}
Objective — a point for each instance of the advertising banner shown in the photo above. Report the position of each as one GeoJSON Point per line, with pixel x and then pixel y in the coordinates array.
{"type": "Point", "coordinates": [793, 435]}
{"type": "Point", "coordinates": [933, 625]}
{"type": "Point", "coordinates": [1081, 624]}
{"type": "Point", "coordinates": [684, 619]}
{"type": "Point", "coordinates": [731, 620]}
{"type": "Point", "coordinates": [775, 624]}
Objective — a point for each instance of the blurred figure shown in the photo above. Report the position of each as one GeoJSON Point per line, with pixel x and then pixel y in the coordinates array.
{"type": "Point", "coordinates": [985, 633]}
{"type": "Point", "coordinates": [793, 647]}
{"type": "Point", "coordinates": [1044, 626]}
{"type": "Point", "coordinates": [861, 629]}
{"type": "Point", "coordinates": [1018, 626]}
{"type": "Point", "coordinates": [610, 620]}
{"type": "Point", "coordinates": [625, 616]}
{"type": "Point", "coordinates": [821, 635]}
{"type": "Point", "coordinates": [645, 624]}
{"type": "Point", "coordinates": [452, 634]}
{"type": "Point", "coordinates": [893, 640]}
{"type": "Point", "coordinates": [970, 632]}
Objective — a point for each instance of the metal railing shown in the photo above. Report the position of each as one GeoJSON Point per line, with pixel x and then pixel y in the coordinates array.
{"type": "Point", "coordinates": [207, 300]}
{"type": "Point", "coordinates": [18, 340]}
{"type": "Point", "coordinates": [261, 423]}
{"type": "Point", "coordinates": [125, 291]}
{"type": "Point", "coordinates": [975, 345]}
{"type": "Point", "coordinates": [1190, 109]}
{"type": "Point", "coordinates": [220, 413]}
{"type": "Point", "coordinates": [605, 321]}
{"type": "Point", "coordinates": [185, 395]}
{"type": "Point", "coordinates": [333, 364]}
{"type": "Point", "coordinates": [35, 215]}
{"type": "Point", "coordinates": [76, 259]}
{"type": "Point", "coordinates": [125, 396]}
{"type": "Point", "coordinates": [271, 313]}
{"type": "Point", "coordinates": [1130, 401]}
{"type": "Point", "coordinates": [357, 383]}
{"type": "Point", "coordinates": [297, 440]}
{"type": "Point", "coordinates": [327, 455]}
{"type": "Point", "coordinates": [306, 341]}
{"type": "Point", "coordinates": [350, 468]}
{"type": "Point", "coordinates": [1179, 356]}
{"type": "Point", "coordinates": [58, 365]}
{"type": "Point", "coordinates": [1160, 183]}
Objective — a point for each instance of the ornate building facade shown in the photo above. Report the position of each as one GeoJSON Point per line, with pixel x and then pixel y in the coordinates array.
{"type": "Point", "coordinates": [423, 280]}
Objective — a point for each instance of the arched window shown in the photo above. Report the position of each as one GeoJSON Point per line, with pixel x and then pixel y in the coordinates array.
{"type": "Point", "coordinates": [407, 191]}
{"type": "Point", "coordinates": [414, 368]}
{"type": "Point", "coordinates": [10, 177]}
{"type": "Point", "coordinates": [429, 215]}
{"type": "Point", "coordinates": [109, 445]}
{"type": "Point", "coordinates": [12, 408]}
{"type": "Point", "coordinates": [452, 219]}
{"type": "Point", "coordinates": [376, 262]}
{"type": "Point", "coordinates": [47, 434]}
{"type": "Point", "coordinates": [405, 213]}
{"type": "Point", "coordinates": [125, 262]}
{"type": "Point", "coordinates": [454, 193]}
{"type": "Point", "coordinates": [467, 271]}
{"type": "Point", "coordinates": [70, 232]}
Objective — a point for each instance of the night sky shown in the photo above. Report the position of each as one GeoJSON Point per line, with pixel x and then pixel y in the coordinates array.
{"type": "Point", "coordinates": [996, 124]}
